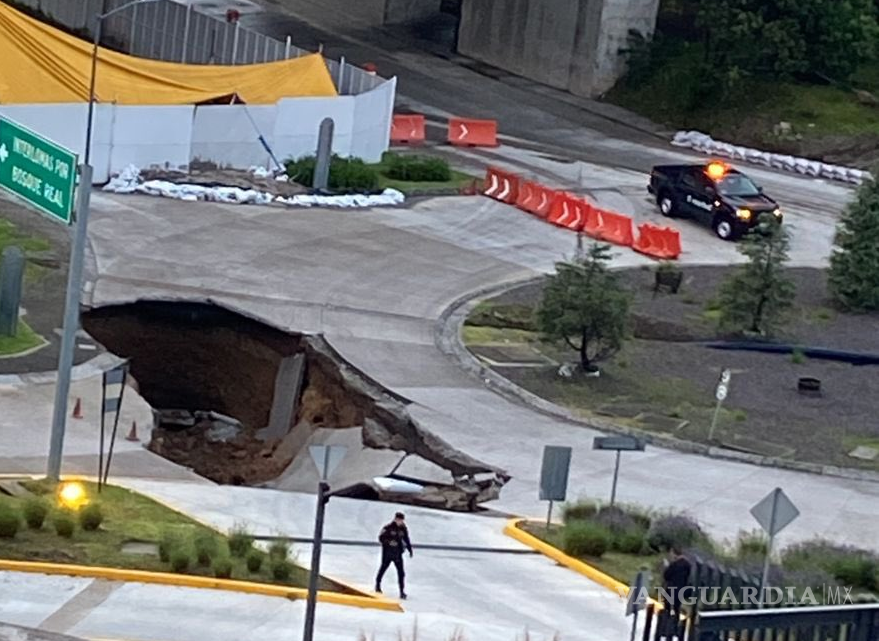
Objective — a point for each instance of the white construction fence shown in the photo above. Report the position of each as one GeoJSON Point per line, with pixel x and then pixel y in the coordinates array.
{"type": "Point", "coordinates": [172, 137]}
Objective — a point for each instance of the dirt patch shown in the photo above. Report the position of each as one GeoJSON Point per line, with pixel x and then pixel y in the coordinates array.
{"type": "Point", "coordinates": [668, 371]}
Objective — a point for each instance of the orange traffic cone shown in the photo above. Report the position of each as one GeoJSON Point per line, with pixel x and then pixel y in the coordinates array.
{"type": "Point", "coordinates": [132, 435]}
{"type": "Point", "coordinates": [77, 409]}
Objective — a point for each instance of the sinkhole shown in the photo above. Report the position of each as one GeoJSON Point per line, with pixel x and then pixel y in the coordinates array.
{"type": "Point", "coordinates": [239, 401]}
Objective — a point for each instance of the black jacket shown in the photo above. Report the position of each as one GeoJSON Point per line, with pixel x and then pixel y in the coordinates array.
{"type": "Point", "coordinates": [677, 574]}
{"type": "Point", "coordinates": [394, 538]}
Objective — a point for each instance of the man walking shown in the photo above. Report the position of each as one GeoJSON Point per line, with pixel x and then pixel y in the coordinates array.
{"type": "Point", "coordinates": [394, 537]}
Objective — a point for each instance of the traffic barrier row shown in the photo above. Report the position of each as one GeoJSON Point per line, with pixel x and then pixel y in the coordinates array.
{"type": "Point", "coordinates": [571, 212]}
{"type": "Point", "coordinates": [408, 129]}
{"type": "Point", "coordinates": [501, 185]}
{"type": "Point", "coordinates": [658, 242]}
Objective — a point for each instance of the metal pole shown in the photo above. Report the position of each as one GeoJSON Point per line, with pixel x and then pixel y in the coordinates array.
{"type": "Point", "coordinates": [714, 420]}
{"type": "Point", "coordinates": [322, 498]}
{"type": "Point", "coordinates": [115, 427]}
{"type": "Point", "coordinates": [91, 112]}
{"type": "Point", "coordinates": [549, 516]}
{"type": "Point", "coordinates": [341, 73]}
{"type": "Point", "coordinates": [634, 625]}
{"type": "Point", "coordinates": [186, 32]}
{"type": "Point", "coordinates": [765, 578]}
{"type": "Point", "coordinates": [287, 48]}
{"type": "Point", "coordinates": [71, 322]}
{"type": "Point", "coordinates": [235, 44]}
{"type": "Point", "coordinates": [616, 473]}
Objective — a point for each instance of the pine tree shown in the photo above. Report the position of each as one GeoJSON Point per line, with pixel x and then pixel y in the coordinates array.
{"type": "Point", "coordinates": [757, 295]}
{"type": "Point", "coordinates": [854, 265]}
{"type": "Point", "coordinates": [585, 307]}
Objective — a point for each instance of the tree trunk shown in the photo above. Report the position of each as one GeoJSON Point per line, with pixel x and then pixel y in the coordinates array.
{"type": "Point", "coordinates": [584, 353]}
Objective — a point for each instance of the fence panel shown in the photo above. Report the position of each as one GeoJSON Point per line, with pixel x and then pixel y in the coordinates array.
{"type": "Point", "coordinates": [167, 30]}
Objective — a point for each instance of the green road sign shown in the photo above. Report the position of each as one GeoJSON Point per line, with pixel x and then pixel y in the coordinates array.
{"type": "Point", "coordinates": [39, 171]}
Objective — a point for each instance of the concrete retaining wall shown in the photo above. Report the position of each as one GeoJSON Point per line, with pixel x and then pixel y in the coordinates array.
{"type": "Point", "coordinates": [569, 44]}
{"type": "Point", "coordinates": [172, 137]}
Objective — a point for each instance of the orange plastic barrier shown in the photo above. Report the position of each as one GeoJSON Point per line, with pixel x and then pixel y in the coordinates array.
{"type": "Point", "coordinates": [658, 242]}
{"type": "Point", "coordinates": [467, 132]}
{"type": "Point", "coordinates": [408, 129]}
{"type": "Point", "coordinates": [527, 198]}
{"type": "Point", "coordinates": [535, 198]}
{"type": "Point", "coordinates": [569, 211]}
{"type": "Point", "coordinates": [501, 185]}
{"type": "Point", "coordinates": [615, 228]}
{"type": "Point", "coordinates": [545, 198]}
{"type": "Point", "coordinates": [593, 221]}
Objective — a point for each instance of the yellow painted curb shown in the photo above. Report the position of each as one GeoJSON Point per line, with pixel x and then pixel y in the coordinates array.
{"type": "Point", "coordinates": [513, 530]}
{"type": "Point", "coordinates": [200, 582]}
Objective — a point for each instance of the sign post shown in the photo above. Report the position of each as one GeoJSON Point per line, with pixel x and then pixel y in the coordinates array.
{"type": "Point", "coordinates": [619, 444]}
{"type": "Point", "coordinates": [774, 513]}
{"type": "Point", "coordinates": [327, 459]}
{"type": "Point", "coordinates": [44, 174]}
{"type": "Point", "coordinates": [37, 170]}
{"type": "Point", "coordinates": [637, 598]}
{"type": "Point", "coordinates": [554, 473]}
{"type": "Point", "coordinates": [720, 393]}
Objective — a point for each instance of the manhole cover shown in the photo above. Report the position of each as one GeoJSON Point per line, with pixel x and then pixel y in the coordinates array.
{"type": "Point", "coordinates": [510, 354]}
{"type": "Point", "coordinates": [620, 410]}
{"type": "Point", "coordinates": [660, 422]}
{"type": "Point", "coordinates": [140, 548]}
{"type": "Point", "coordinates": [756, 446]}
{"type": "Point", "coordinates": [864, 453]}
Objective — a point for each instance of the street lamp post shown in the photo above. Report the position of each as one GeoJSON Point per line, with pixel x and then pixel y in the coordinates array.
{"type": "Point", "coordinates": [99, 25]}
{"type": "Point", "coordinates": [74, 275]}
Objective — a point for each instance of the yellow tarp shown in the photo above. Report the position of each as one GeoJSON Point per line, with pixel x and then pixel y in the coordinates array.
{"type": "Point", "coordinates": [41, 64]}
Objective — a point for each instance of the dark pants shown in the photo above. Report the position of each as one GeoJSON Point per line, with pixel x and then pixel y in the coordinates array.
{"type": "Point", "coordinates": [396, 557]}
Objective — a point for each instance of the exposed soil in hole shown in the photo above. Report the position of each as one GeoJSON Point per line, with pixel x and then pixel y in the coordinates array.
{"type": "Point", "coordinates": [666, 371]}
{"type": "Point", "coordinates": [237, 401]}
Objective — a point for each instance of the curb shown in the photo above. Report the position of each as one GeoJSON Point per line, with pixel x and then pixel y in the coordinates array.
{"type": "Point", "coordinates": [184, 581]}
{"type": "Point", "coordinates": [514, 530]}
{"type": "Point", "coordinates": [447, 334]}
{"type": "Point", "coordinates": [89, 368]}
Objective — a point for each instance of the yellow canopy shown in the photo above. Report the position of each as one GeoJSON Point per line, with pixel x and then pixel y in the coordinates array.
{"type": "Point", "coordinates": [39, 63]}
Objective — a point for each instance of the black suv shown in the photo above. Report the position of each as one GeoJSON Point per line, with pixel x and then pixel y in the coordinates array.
{"type": "Point", "coordinates": [714, 194]}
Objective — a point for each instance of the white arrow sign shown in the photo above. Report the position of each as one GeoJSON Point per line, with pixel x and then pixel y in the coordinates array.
{"type": "Point", "coordinates": [464, 132]}
{"type": "Point", "coordinates": [3, 153]}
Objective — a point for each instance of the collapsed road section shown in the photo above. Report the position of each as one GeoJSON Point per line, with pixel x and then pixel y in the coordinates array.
{"type": "Point", "coordinates": [240, 401]}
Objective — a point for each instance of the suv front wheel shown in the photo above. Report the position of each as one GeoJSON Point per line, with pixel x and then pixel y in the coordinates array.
{"type": "Point", "coordinates": [724, 229]}
{"type": "Point", "coordinates": [666, 203]}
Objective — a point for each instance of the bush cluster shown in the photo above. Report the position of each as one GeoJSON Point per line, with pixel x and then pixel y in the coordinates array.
{"type": "Point", "coordinates": [347, 175]}
{"type": "Point", "coordinates": [848, 565]}
{"type": "Point", "coordinates": [36, 510]}
{"type": "Point", "coordinates": [10, 521]}
{"type": "Point", "coordinates": [674, 531]}
{"type": "Point", "coordinates": [90, 517]}
{"type": "Point", "coordinates": [240, 541]}
{"type": "Point", "coordinates": [64, 522]}
{"type": "Point", "coordinates": [416, 168]}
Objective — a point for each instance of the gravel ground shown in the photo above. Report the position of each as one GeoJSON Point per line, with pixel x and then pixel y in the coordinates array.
{"type": "Point", "coordinates": [667, 371]}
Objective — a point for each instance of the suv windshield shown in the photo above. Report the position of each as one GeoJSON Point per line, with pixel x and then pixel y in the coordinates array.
{"type": "Point", "coordinates": [737, 185]}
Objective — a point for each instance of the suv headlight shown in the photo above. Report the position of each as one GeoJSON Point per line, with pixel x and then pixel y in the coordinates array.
{"type": "Point", "coordinates": [743, 214]}
{"type": "Point", "coordinates": [777, 212]}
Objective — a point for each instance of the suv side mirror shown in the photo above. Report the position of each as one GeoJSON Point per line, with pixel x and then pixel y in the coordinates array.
{"type": "Point", "coordinates": [711, 191]}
